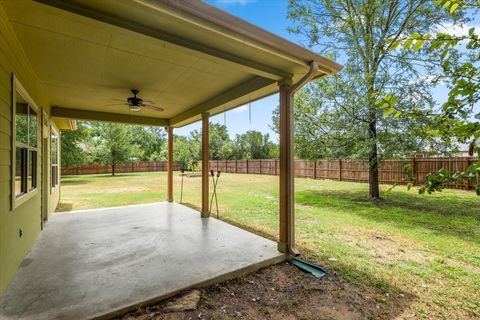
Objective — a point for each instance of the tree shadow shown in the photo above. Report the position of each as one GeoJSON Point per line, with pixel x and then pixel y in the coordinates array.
{"type": "Point", "coordinates": [68, 182]}
{"type": "Point", "coordinates": [437, 214]}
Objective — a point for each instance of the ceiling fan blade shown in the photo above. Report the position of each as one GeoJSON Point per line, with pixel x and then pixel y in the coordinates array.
{"type": "Point", "coordinates": [152, 107]}
{"type": "Point", "coordinates": [116, 99]}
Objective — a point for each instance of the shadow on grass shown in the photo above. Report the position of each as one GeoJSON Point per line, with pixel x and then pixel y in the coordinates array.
{"type": "Point", "coordinates": [69, 182]}
{"type": "Point", "coordinates": [446, 215]}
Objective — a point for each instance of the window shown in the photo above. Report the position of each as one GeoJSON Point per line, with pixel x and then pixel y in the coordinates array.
{"type": "Point", "coordinates": [54, 157]}
{"type": "Point", "coordinates": [25, 133]}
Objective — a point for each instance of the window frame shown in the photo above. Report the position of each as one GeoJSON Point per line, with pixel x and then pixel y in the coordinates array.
{"type": "Point", "coordinates": [16, 201]}
{"type": "Point", "coordinates": [53, 131]}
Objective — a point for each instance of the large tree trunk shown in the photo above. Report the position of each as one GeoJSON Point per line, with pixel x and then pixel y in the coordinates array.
{"type": "Point", "coordinates": [373, 187]}
{"type": "Point", "coordinates": [113, 169]}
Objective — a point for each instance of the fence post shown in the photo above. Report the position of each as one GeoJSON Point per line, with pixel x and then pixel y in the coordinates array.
{"type": "Point", "coordinates": [247, 166]}
{"type": "Point", "coordinates": [314, 169]}
{"type": "Point", "coordinates": [236, 166]}
{"type": "Point", "coordinates": [260, 166]}
{"type": "Point", "coordinates": [339, 169]}
{"type": "Point", "coordinates": [468, 179]}
{"type": "Point", "coordinates": [414, 171]}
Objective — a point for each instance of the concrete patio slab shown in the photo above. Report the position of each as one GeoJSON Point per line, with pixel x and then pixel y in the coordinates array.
{"type": "Point", "coordinates": [99, 263]}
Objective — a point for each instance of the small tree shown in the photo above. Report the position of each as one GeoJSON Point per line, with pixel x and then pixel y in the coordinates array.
{"type": "Point", "coordinates": [74, 146]}
{"type": "Point", "coordinates": [113, 144]}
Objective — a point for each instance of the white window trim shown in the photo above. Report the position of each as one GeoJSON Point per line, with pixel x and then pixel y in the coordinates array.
{"type": "Point", "coordinates": [18, 88]}
{"type": "Point", "coordinates": [57, 133]}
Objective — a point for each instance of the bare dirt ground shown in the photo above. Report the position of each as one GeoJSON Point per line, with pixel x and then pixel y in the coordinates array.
{"type": "Point", "coordinates": [284, 292]}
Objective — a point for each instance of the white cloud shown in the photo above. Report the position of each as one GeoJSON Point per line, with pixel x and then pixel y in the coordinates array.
{"type": "Point", "coordinates": [234, 2]}
{"type": "Point", "coordinates": [456, 29]}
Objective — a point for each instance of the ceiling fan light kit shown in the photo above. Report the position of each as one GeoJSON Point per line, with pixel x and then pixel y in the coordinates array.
{"type": "Point", "coordinates": [136, 104]}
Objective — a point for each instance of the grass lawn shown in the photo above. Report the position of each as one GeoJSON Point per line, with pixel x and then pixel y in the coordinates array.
{"type": "Point", "coordinates": [424, 249]}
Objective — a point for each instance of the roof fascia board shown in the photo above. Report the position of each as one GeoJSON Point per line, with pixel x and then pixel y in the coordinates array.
{"type": "Point", "coordinates": [233, 60]}
{"type": "Point", "coordinates": [236, 92]}
{"type": "Point", "coordinates": [233, 27]}
{"type": "Point", "coordinates": [79, 114]}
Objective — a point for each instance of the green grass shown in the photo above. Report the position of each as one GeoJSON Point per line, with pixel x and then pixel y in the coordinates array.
{"type": "Point", "coordinates": [425, 248]}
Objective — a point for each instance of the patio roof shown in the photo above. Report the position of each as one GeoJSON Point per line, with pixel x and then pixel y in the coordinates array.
{"type": "Point", "coordinates": [186, 56]}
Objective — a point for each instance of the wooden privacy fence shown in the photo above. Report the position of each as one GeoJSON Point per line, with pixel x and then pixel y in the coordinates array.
{"type": "Point", "coordinates": [390, 171]}
{"type": "Point", "coordinates": [121, 168]}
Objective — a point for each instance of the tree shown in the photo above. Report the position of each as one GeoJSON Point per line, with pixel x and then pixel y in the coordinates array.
{"type": "Point", "coordinates": [219, 140]}
{"type": "Point", "coordinates": [329, 125]}
{"type": "Point", "coordinates": [457, 119]}
{"type": "Point", "coordinates": [74, 146]}
{"type": "Point", "coordinates": [113, 144]}
{"type": "Point", "coordinates": [151, 142]}
{"type": "Point", "coordinates": [187, 150]}
{"type": "Point", "coordinates": [357, 31]}
{"type": "Point", "coordinates": [254, 145]}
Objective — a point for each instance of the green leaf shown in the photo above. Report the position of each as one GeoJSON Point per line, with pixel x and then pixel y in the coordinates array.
{"type": "Point", "coordinates": [407, 44]}
{"type": "Point", "coordinates": [453, 7]}
{"type": "Point", "coordinates": [418, 45]}
{"type": "Point", "coordinates": [444, 54]}
{"type": "Point", "coordinates": [397, 114]}
{"type": "Point", "coordinates": [416, 35]}
{"type": "Point", "coordinates": [446, 4]}
{"type": "Point", "coordinates": [384, 105]}
{"type": "Point", "coordinates": [394, 45]}
{"type": "Point", "coordinates": [389, 111]}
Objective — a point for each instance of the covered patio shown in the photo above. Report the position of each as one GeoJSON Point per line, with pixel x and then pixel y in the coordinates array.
{"type": "Point", "coordinates": [190, 61]}
{"type": "Point", "coordinates": [100, 263]}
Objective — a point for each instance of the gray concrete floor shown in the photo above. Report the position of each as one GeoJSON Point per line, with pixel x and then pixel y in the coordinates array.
{"type": "Point", "coordinates": [100, 262]}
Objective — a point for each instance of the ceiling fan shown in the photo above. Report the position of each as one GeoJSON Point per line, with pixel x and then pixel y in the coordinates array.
{"type": "Point", "coordinates": [135, 103]}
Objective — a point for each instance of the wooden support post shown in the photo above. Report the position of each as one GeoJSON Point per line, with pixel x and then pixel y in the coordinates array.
{"type": "Point", "coordinates": [205, 162]}
{"type": "Point", "coordinates": [287, 198]}
{"type": "Point", "coordinates": [170, 164]}
{"type": "Point", "coordinates": [315, 170]}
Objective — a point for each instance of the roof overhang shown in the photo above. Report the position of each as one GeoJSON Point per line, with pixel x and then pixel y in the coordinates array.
{"type": "Point", "coordinates": [186, 56]}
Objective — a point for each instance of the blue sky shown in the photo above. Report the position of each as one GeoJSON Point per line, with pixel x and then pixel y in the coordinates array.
{"type": "Point", "coordinates": [270, 15]}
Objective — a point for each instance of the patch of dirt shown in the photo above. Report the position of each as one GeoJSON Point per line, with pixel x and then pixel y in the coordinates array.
{"type": "Point", "coordinates": [284, 292]}
{"type": "Point", "coordinates": [384, 247]}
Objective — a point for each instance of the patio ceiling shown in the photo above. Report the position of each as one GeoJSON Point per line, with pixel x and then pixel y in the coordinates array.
{"type": "Point", "coordinates": [185, 56]}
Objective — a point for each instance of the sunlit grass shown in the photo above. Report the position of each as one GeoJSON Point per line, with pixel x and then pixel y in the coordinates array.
{"type": "Point", "coordinates": [426, 246]}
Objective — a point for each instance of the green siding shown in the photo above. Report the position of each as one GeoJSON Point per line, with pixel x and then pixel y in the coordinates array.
{"type": "Point", "coordinates": [27, 216]}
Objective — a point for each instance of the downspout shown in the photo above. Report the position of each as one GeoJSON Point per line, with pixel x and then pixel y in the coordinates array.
{"type": "Point", "coordinates": [315, 270]}
{"type": "Point", "coordinates": [312, 72]}
{"type": "Point", "coordinates": [305, 79]}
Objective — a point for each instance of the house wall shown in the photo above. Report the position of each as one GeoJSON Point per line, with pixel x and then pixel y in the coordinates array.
{"type": "Point", "coordinates": [26, 216]}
